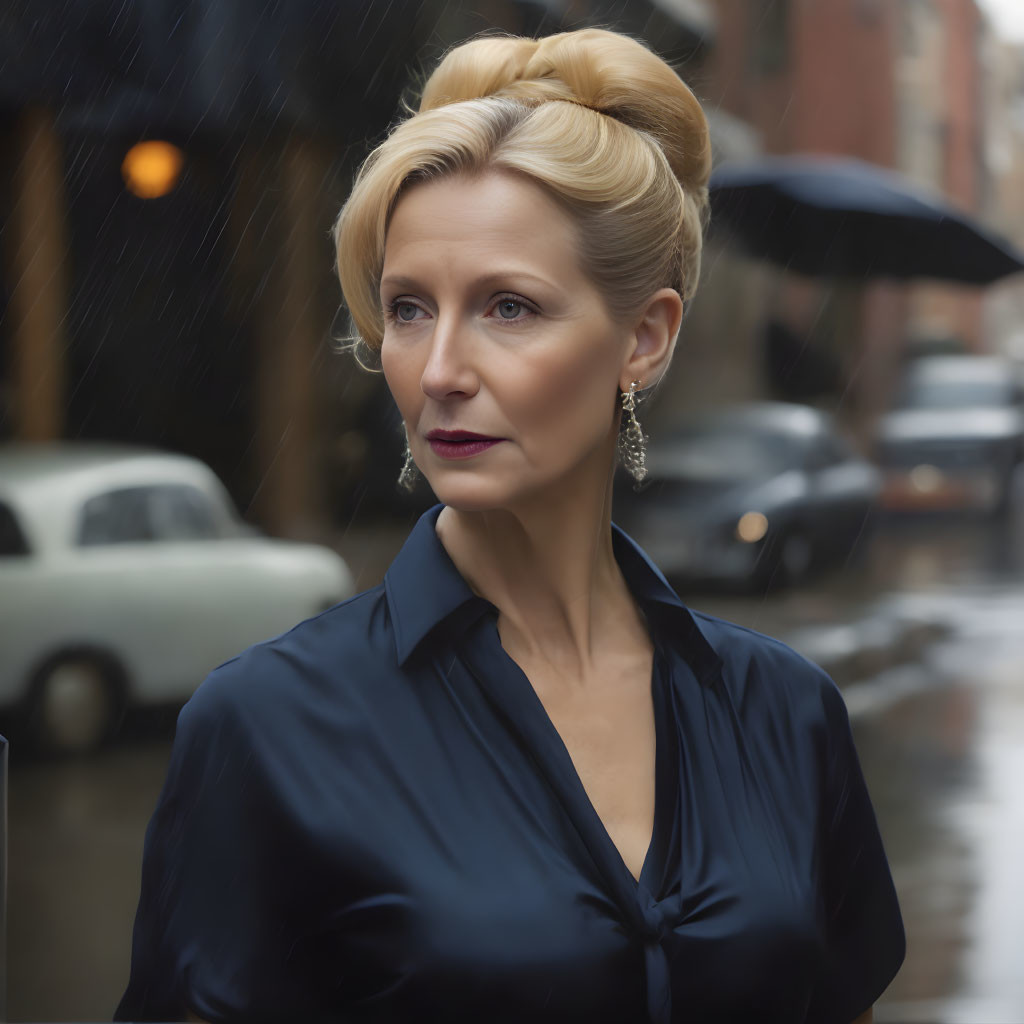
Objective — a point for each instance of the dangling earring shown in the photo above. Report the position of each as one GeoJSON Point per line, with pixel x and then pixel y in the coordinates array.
{"type": "Point", "coordinates": [632, 443]}
{"type": "Point", "coordinates": [410, 472]}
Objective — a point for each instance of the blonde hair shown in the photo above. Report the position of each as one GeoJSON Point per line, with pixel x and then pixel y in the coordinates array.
{"type": "Point", "coordinates": [605, 126]}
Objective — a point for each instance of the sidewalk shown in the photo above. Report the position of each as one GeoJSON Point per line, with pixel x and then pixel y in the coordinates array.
{"type": "Point", "coordinates": [875, 643]}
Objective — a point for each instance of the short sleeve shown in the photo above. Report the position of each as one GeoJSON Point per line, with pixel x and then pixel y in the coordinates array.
{"type": "Point", "coordinates": [218, 931]}
{"type": "Point", "coordinates": [864, 942]}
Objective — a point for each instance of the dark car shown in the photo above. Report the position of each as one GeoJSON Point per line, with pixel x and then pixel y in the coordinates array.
{"type": "Point", "coordinates": [956, 437]}
{"type": "Point", "coordinates": [759, 494]}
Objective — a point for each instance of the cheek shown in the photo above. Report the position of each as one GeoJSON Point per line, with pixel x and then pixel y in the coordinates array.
{"type": "Point", "coordinates": [577, 394]}
{"type": "Point", "coordinates": [402, 378]}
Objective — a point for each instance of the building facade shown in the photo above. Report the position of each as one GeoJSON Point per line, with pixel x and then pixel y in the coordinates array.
{"type": "Point", "coordinates": [203, 320]}
{"type": "Point", "coordinates": [898, 83]}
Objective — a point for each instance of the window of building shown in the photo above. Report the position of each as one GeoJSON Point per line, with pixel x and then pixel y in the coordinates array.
{"type": "Point", "coordinates": [770, 27]}
{"type": "Point", "coordinates": [870, 11]}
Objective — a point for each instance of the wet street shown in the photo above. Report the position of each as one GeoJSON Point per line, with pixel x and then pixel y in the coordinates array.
{"type": "Point", "coordinates": [941, 736]}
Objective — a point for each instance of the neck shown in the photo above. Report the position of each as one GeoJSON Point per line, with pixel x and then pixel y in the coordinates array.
{"type": "Point", "coordinates": [549, 568]}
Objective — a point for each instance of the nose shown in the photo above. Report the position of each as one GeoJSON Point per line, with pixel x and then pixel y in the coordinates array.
{"type": "Point", "coordinates": [449, 371]}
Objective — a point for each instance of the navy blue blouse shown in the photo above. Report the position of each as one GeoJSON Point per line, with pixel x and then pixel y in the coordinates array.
{"type": "Point", "coordinates": [371, 818]}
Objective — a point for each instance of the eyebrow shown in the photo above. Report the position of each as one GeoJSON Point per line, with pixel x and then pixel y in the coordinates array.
{"type": "Point", "coordinates": [492, 278]}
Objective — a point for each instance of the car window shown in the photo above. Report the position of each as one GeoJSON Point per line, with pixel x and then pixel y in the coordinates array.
{"type": "Point", "coordinates": [954, 393]}
{"type": "Point", "coordinates": [117, 517]}
{"type": "Point", "coordinates": [12, 540]}
{"type": "Point", "coordinates": [181, 512]}
{"type": "Point", "coordinates": [724, 451]}
{"type": "Point", "coordinates": [828, 450]}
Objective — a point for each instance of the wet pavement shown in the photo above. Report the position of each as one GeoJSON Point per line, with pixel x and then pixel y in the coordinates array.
{"type": "Point", "coordinates": [927, 640]}
{"type": "Point", "coordinates": [943, 749]}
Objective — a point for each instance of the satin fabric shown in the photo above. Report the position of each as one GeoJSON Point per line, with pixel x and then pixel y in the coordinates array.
{"type": "Point", "coordinates": [372, 819]}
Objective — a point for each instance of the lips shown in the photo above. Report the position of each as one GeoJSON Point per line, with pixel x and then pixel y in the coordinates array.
{"type": "Point", "coordinates": [460, 444]}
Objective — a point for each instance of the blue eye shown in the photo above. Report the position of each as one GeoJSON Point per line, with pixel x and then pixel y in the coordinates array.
{"type": "Point", "coordinates": [509, 309]}
{"type": "Point", "coordinates": [405, 311]}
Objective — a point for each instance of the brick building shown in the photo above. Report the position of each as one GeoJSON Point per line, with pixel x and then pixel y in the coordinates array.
{"type": "Point", "coordinates": [1004, 307]}
{"type": "Point", "coordinates": [898, 83]}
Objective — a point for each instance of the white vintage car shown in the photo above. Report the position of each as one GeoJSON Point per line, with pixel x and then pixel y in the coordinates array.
{"type": "Point", "coordinates": [126, 575]}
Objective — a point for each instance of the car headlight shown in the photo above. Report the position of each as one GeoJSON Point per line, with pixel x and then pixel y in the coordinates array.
{"type": "Point", "coordinates": [926, 479]}
{"type": "Point", "coordinates": [751, 527]}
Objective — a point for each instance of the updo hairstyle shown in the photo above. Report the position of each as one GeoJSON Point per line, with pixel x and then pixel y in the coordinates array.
{"type": "Point", "coordinates": [593, 117]}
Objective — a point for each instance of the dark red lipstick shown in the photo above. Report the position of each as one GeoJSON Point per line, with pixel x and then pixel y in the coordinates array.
{"type": "Point", "coordinates": [460, 444]}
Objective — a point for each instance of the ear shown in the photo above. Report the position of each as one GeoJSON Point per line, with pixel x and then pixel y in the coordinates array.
{"type": "Point", "coordinates": [653, 339]}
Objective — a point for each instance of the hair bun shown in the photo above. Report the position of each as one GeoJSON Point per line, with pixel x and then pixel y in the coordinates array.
{"type": "Point", "coordinates": [605, 71]}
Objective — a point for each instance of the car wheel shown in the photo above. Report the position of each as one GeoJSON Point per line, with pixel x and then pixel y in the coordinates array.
{"type": "Point", "coordinates": [856, 554]}
{"type": "Point", "coordinates": [786, 561]}
{"type": "Point", "coordinates": [796, 556]}
{"type": "Point", "coordinates": [74, 705]}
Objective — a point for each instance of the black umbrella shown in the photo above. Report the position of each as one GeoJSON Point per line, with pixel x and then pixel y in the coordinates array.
{"type": "Point", "coordinates": [841, 217]}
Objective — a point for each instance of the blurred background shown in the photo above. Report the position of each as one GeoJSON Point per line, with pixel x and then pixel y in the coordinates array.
{"type": "Point", "coordinates": [188, 465]}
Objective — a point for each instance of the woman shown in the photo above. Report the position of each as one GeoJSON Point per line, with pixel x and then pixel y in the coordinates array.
{"type": "Point", "coordinates": [519, 780]}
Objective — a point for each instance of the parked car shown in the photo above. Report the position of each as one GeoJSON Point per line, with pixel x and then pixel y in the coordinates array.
{"type": "Point", "coordinates": [126, 575]}
{"type": "Point", "coordinates": [760, 495]}
{"type": "Point", "coordinates": [956, 437]}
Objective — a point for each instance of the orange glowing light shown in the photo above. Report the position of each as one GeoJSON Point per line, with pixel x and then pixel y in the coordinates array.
{"type": "Point", "coordinates": [752, 527]}
{"type": "Point", "coordinates": [152, 168]}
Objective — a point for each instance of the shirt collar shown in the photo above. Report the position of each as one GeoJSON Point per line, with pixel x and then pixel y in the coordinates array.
{"type": "Point", "coordinates": [427, 595]}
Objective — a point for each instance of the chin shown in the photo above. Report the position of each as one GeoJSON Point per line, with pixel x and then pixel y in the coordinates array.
{"type": "Point", "coordinates": [470, 496]}
{"type": "Point", "coordinates": [471, 492]}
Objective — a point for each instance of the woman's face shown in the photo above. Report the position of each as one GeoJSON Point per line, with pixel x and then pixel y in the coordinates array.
{"type": "Point", "coordinates": [499, 351]}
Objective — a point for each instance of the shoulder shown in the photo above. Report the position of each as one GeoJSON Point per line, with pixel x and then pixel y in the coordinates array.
{"type": "Point", "coordinates": [788, 711]}
{"type": "Point", "coordinates": [760, 671]}
{"type": "Point", "coordinates": [321, 661]}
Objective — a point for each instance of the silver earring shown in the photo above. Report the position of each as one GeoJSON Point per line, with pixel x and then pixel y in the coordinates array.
{"type": "Point", "coordinates": [632, 443]}
{"type": "Point", "coordinates": [409, 473]}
